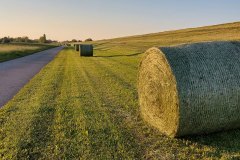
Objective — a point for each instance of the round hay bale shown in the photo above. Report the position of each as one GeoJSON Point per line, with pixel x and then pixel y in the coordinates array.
{"type": "Point", "coordinates": [86, 50]}
{"type": "Point", "coordinates": [191, 89]}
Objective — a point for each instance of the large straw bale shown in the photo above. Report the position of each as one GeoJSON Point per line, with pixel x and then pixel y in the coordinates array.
{"type": "Point", "coordinates": [191, 89]}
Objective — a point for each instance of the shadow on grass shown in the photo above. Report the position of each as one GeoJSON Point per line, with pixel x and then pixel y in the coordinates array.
{"type": "Point", "coordinates": [222, 141]}
{"type": "Point", "coordinates": [122, 55]}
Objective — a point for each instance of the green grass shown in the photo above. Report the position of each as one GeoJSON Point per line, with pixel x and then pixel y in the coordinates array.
{"type": "Point", "coordinates": [12, 51]}
{"type": "Point", "coordinates": [87, 107]}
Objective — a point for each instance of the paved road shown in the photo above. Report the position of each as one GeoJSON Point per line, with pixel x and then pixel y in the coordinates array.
{"type": "Point", "coordinates": [16, 73]}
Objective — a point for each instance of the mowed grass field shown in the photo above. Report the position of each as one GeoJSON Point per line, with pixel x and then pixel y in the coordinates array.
{"type": "Point", "coordinates": [12, 51]}
{"type": "Point", "coordinates": [87, 107]}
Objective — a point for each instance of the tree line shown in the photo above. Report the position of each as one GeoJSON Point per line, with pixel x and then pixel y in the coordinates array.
{"type": "Point", "coordinates": [25, 39]}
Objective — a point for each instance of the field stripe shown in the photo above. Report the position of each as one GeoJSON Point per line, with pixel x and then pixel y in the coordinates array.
{"type": "Point", "coordinates": [105, 108]}
{"type": "Point", "coordinates": [71, 138]}
{"type": "Point", "coordinates": [105, 137]}
{"type": "Point", "coordinates": [37, 143]}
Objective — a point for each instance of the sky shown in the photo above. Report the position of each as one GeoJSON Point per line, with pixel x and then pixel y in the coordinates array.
{"type": "Point", "coordinates": [102, 19]}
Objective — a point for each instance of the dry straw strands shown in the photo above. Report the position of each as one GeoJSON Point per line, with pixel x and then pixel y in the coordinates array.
{"type": "Point", "coordinates": [191, 89]}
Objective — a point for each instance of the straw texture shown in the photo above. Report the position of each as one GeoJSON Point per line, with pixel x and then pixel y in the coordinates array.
{"type": "Point", "coordinates": [191, 89]}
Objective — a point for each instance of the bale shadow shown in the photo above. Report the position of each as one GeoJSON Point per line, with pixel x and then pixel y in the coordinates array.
{"type": "Point", "coordinates": [128, 55]}
{"type": "Point", "coordinates": [222, 141]}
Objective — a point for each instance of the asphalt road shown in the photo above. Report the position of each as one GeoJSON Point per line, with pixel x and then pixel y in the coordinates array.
{"type": "Point", "coordinates": [16, 73]}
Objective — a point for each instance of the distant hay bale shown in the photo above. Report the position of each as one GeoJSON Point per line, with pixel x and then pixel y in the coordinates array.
{"type": "Point", "coordinates": [191, 89]}
{"type": "Point", "coordinates": [86, 50]}
{"type": "Point", "coordinates": [76, 47]}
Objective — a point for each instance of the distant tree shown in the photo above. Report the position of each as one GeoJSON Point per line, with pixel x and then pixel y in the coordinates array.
{"type": "Point", "coordinates": [74, 40]}
{"type": "Point", "coordinates": [5, 40]}
{"type": "Point", "coordinates": [89, 39]}
{"type": "Point", "coordinates": [18, 39]}
{"type": "Point", "coordinates": [25, 39]}
{"type": "Point", "coordinates": [43, 39]}
{"type": "Point", "coordinates": [79, 40]}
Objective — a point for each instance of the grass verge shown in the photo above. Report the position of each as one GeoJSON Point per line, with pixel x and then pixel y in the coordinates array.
{"type": "Point", "coordinates": [13, 51]}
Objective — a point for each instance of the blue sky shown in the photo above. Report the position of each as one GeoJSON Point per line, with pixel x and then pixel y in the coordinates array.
{"type": "Point", "coordinates": [100, 19]}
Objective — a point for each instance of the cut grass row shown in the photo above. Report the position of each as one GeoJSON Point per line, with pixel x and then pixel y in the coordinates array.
{"type": "Point", "coordinates": [79, 107]}
{"type": "Point", "coordinates": [12, 51]}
